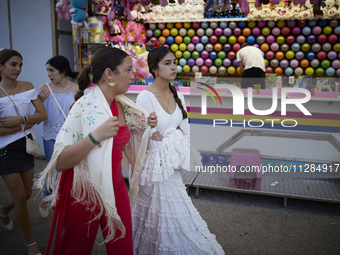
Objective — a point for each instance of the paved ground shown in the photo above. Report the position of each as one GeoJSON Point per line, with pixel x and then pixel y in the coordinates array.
{"type": "Point", "coordinates": [242, 223]}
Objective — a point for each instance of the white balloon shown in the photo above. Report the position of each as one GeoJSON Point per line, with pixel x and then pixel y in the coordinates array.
{"type": "Point", "coordinates": [213, 69]}
{"type": "Point", "coordinates": [338, 72]}
{"type": "Point", "coordinates": [298, 71]}
{"type": "Point", "coordinates": [200, 32]}
{"type": "Point", "coordinates": [182, 31]}
{"type": "Point", "coordinates": [195, 69]}
{"type": "Point", "coordinates": [213, 24]}
{"type": "Point", "coordinates": [222, 70]}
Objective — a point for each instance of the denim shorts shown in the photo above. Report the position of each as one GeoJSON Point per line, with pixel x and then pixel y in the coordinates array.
{"type": "Point", "coordinates": [14, 158]}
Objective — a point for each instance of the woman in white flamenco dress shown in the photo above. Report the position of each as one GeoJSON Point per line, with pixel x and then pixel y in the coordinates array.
{"type": "Point", "coordinates": [164, 219]}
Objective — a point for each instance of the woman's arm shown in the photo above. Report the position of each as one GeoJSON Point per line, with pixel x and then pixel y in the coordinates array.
{"type": "Point", "coordinates": [12, 130]}
{"type": "Point", "coordinates": [73, 154]}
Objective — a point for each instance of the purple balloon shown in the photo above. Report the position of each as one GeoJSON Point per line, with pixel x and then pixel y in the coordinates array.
{"type": "Point", "coordinates": [336, 63]}
{"type": "Point", "coordinates": [149, 33]}
{"type": "Point", "coordinates": [284, 63]}
{"type": "Point", "coordinates": [235, 62]}
{"type": "Point", "coordinates": [226, 62]}
{"type": "Point", "coordinates": [276, 31]}
{"type": "Point", "coordinates": [311, 39]}
{"type": "Point", "coordinates": [331, 55]}
{"type": "Point", "coordinates": [294, 63]}
{"type": "Point", "coordinates": [317, 30]}
{"type": "Point", "coordinates": [299, 55]}
{"type": "Point", "coordinates": [256, 45]}
{"type": "Point", "coordinates": [296, 30]}
{"type": "Point", "coordinates": [227, 47]}
{"type": "Point", "coordinates": [270, 38]}
{"type": "Point", "coordinates": [256, 31]}
{"type": "Point", "coordinates": [195, 39]}
{"type": "Point", "coordinates": [291, 23]}
{"type": "Point", "coordinates": [191, 62]}
{"type": "Point", "coordinates": [227, 31]}
{"type": "Point", "coordinates": [300, 39]}
{"type": "Point", "coordinates": [208, 62]}
{"type": "Point", "coordinates": [199, 61]}
{"type": "Point", "coordinates": [204, 54]}
{"type": "Point", "coordinates": [237, 31]}
{"type": "Point", "coordinates": [333, 23]}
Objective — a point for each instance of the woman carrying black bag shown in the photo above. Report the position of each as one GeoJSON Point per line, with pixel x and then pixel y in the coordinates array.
{"type": "Point", "coordinates": [16, 165]}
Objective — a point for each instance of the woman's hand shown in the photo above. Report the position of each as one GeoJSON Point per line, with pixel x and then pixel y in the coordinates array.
{"type": "Point", "coordinates": [11, 121]}
{"type": "Point", "coordinates": [106, 130]}
{"type": "Point", "coordinates": [152, 120]}
{"type": "Point", "coordinates": [44, 93]}
{"type": "Point", "coordinates": [156, 136]}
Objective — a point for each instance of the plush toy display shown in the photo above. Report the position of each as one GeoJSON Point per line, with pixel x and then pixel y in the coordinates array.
{"type": "Point", "coordinates": [78, 12]}
{"type": "Point", "coordinates": [62, 8]}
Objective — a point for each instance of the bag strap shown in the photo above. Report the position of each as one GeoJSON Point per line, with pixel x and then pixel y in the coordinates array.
{"type": "Point", "coordinates": [56, 100]}
{"type": "Point", "coordinates": [15, 107]}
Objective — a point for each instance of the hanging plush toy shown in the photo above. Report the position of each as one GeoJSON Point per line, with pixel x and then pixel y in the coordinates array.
{"type": "Point", "coordinates": [78, 12]}
{"type": "Point", "coordinates": [62, 8]}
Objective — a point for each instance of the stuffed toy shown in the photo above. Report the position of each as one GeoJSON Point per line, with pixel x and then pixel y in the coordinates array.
{"type": "Point", "coordinates": [329, 10]}
{"type": "Point", "coordinates": [78, 12]}
{"type": "Point", "coordinates": [62, 8]}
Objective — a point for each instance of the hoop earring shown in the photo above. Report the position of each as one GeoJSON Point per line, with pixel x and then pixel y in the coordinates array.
{"type": "Point", "coordinates": [112, 83]}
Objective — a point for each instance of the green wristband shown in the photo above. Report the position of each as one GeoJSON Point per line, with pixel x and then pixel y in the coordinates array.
{"type": "Point", "coordinates": [94, 140]}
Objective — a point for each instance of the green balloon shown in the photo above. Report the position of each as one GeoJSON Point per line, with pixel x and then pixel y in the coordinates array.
{"type": "Point", "coordinates": [218, 62]}
{"type": "Point", "coordinates": [221, 55]}
{"type": "Point", "coordinates": [186, 54]}
{"type": "Point", "coordinates": [319, 71]}
{"type": "Point", "coordinates": [223, 39]}
{"type": "Point", "coordinates": [187, 39]}
{"type": "Point", "coordinates": [195, 54]}
{"type": "Point", "coordinates": [157, 32]}
{"type": "Point", "coordinates": [325, 63]}
{"type": "Point", "coordinates": [280, 39]}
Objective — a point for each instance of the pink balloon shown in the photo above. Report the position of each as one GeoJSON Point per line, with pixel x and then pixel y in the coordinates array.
{"type": "Point", "coordinates": [276, 31]}
{"type": "Point", "coordinates": [274, 46]}
{"type": "Point", "coordinates": [270, 39]}
{"type": "Point", "coordinates": [204, 69]}
{"type": "Point", "coordinates": [237, 31]}
{"type": "Point", "coordinates": [261, 23]}
{"type": "Point", "coordinates": [294, 63]}
{"type": "Point", "coordinates": [208, 62]}
{"type": "Point", "coordinates": [199, 61]}
{"type": "Point", "coordinates": [336, 63]}
{"type": "Point", "coordinates": [256, 31]}
{"type": "Point", "coordinates": [191, 47]}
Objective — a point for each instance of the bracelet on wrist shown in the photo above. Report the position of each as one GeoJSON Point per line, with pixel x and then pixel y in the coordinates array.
{"type": "Point", "coordinates": [25, 120]}
{"type": "Point", "coordinates": [95, 142]}
{"type": "Point", "coordinates": [23, 127]}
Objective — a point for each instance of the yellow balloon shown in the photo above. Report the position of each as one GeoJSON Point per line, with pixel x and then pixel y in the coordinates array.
{"type": "Point", "coordinates": [179, 54]}
{"type": "Point", "coordinates": [290, 54]}
{"type": "Point", "coordinates": [231, 70]}
{"type": "Point", "coordinates": [186, 68]}
{"type": "Point", "coordinates": [327, 30]}
{"type": "Point", "coordinates": [182, 46]}
{"type": "Point", "coordinates": [266, 31]}
{"type": "Point", "coordinates": [336, 47]}
{"type": "Point", "coordinates": [174, 31]}
{"type": "Point", "coordinates": [187, 24]}
{"type": "Point", "coordinates": [251, 24]}
{"type": "Point", "coordinates": [309, 71]}
{"type": "Point", "coordinates": [191, 32]}
{"type": "Point", "coordinates": [170, 25]}
{"type": "Point", "coordinates": [281, 23]}
{"type": "Point", "coordinates": [174, 47]}
{"type": "Point", "coordinates": [266, 62]}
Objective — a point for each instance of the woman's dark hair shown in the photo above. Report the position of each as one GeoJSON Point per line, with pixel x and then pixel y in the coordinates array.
{"type": "Point", "coordinates": [103, 58]}
{"type": "Point", "coordinates": [62, 65]}
{"type": "Point", "coordinates": [154, 58]}
{"type": "Point", "coordinates": [5, 55]}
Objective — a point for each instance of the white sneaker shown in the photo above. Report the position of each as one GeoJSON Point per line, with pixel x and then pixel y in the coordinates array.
{"type": "Point", "coordinates": [43, 210]}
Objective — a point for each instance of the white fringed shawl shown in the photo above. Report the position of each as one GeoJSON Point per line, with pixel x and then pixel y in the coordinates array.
{"type": "Point", "coordinates": [92, 183]}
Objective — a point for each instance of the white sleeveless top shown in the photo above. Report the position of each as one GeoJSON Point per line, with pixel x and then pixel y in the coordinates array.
{"type": "Point", "coordinates": [22, 101]}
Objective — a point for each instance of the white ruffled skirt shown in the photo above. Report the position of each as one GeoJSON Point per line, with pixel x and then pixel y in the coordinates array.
{"type": "Point", "coordinates": [166, 222]}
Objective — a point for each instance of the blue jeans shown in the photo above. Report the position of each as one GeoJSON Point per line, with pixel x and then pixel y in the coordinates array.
{"type": "Point", "coordinates": [48, 148]}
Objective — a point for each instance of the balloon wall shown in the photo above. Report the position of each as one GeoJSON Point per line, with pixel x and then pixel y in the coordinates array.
{"type": "Point", "coordinates": [292, 47]}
